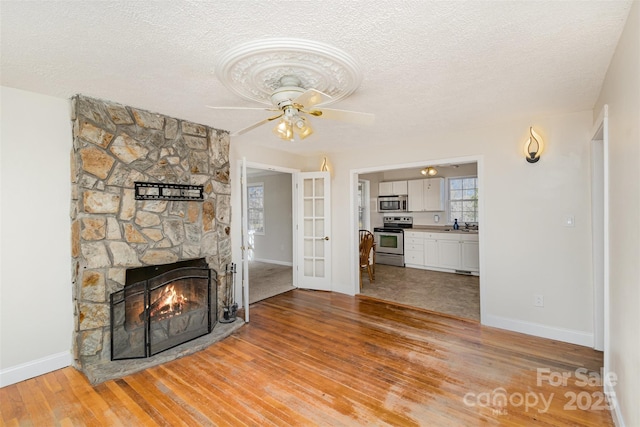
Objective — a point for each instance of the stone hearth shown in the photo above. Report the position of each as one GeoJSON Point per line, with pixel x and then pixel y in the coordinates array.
{"type": "Point", "coordinates": [115, 146]}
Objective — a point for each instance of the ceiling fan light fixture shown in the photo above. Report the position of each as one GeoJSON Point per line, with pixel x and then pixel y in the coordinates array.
{"type": "Point", "coordinates": [284, 130]}
{"type": "Point", "coordinates": [302, 128]}
{"type": "Point", "coordinates": [429, 171]}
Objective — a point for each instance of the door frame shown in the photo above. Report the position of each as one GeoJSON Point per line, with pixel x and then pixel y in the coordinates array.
{"type": "Point", "coordinates": [354, 243]}
{"type": "Point", "coordinates": [600, 232]}
{"type": "Point", "coordinates": [242, 285]}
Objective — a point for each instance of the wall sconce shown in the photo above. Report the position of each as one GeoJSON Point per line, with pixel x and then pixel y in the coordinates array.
{"type": "Point", "coordinates": [324, 167]}
{"type": "Point", "coordinates": [429, 171]}
{"type": "Point", "coordinates": [533, 147]}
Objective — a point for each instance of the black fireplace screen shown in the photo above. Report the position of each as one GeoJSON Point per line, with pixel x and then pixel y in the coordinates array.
{"type": "Point", "coordinates": [161, 307]}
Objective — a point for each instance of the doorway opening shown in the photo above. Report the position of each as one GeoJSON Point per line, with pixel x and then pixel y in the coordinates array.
{"type": "Point", "coordinates": [270, 233]}
{"type": "Point", "coordinates": [441, 268]}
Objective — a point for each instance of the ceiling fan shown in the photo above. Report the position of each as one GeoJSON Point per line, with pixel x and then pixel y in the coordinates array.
{"type": "Point", "coordinates": [295, 106]}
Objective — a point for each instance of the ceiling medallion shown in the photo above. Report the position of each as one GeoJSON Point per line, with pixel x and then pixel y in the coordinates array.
{"type": "Point", "coordinates": [253, 70]}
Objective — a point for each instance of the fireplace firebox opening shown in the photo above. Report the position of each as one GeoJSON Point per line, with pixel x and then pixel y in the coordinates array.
{"type": "Point", "coordinates": [161, 307]}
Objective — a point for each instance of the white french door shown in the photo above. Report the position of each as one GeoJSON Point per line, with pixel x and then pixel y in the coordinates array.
{"type": "Point", "coordinates": [313, 229]}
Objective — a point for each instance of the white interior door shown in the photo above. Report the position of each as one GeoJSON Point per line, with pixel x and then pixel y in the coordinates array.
{"type": "Point", "coordinates": [245, 240]}
{"type": "Point", "coordinates": [313, 228]}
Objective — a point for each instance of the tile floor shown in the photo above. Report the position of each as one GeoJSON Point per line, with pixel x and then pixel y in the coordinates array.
{"type": "Point", "coordinates": [448, 293]}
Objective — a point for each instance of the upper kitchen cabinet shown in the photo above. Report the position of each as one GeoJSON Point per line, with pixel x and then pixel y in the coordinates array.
{"type": "Point", "coordinates": [426, 195]}
{"type": "Point", "coordinates": [392, 188]}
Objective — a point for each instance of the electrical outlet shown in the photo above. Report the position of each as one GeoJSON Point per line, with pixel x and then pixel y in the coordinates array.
{"type": "Point", "coordinates": [538, 300]}
{"type": "Point", "coordinates": [569, 221]}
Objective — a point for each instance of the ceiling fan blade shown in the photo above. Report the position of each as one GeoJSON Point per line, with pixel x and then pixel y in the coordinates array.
{"type": "Point", "coordinates": [241, 108]}
{"type": "Point", "coordinates": [343, 115]}
{"type": "Point", "coordinates": [255, 125]}
{"type": "Point", "coordinates": [311, 97]}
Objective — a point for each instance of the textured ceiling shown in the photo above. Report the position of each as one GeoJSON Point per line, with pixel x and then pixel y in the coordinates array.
{"type": "Point", "coordinates": [427, 65]}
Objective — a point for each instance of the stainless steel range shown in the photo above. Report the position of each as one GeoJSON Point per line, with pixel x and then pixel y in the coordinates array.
{"type": "Point", "coordinates": [390, 240]}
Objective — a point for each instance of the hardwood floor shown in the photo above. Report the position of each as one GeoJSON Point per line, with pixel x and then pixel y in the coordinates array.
{"type": "Point", "coordinates": [319, 358]}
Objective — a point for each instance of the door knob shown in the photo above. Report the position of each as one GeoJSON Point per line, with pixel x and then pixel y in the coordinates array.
{"type": "Point", "coordinates": [326, 237]}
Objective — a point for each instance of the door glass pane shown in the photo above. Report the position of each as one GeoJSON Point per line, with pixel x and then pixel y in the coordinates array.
{"type": "Point", "coordinates": [319, 228]}
{"type": "Point", "coordinates": [319, 187]}
{"type": "Point", "coordinates": [308, 187]}
{"type": "Point", "coordinates": [308, 207]}
{"type": "Point", "coordinates": [308, 248]}
{"type": "Point", "coordinates": [319, 248]}
{"type": "Point", "coordinates": [319, 268]}
{"type": "Point", "coordinates": [319, 207]}
{"type": "Point", "coordinates": [308, 227]}
{"type": "Point", "coordinates": [308, 267]}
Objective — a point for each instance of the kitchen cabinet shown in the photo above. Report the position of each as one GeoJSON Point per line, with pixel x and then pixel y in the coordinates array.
{"type": "Point", "coordinates": [442, 251]}
{"type": "Point", "coordinates": [392, 188]}
{"type": "Point", "coordinates": [449, 254]}
{"type": "Point", "coordinates": [415, 195]}
{"type": "Point", "coordinates": [413, 249]}
{"type": "Point", "coordinates": [425, 194]}
{"type": "Point", "coordinates": [431, 258]}
{"type": "Point", "coordinates": [470, 255]}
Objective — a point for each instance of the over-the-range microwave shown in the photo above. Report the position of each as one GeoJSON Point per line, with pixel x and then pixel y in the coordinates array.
{"type": "Point", "coordinates": [392, 204]}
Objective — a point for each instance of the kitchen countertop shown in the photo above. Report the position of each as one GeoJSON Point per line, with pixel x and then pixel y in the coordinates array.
{"type": "Point", "coordinates": [441, 229]}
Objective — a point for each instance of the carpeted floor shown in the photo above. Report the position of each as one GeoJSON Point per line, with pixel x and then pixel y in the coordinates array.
{"type": "Point", "coordinates": [455, 294]}
{"type": "Point", "coordinates": [267, 280]}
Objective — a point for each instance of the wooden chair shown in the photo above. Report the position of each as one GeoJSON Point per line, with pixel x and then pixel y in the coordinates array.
{"type": "Point", "coordinates": [367, 255]}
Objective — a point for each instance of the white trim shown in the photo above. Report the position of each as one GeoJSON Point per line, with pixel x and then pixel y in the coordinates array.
{"type": "Point", "coordinates": [614, 404]}
{"type": "Point", "coordinates": [273, 261]}
{"type": "Point", "coordinates": [540, 330]}
{"type": "Point", "coordinates": [254, 165]}
{"type": "Point", "coordinates": [37, 367]}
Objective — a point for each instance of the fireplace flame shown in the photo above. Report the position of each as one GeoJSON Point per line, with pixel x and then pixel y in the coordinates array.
{"type": "Point", "coordinates": [169, 302]}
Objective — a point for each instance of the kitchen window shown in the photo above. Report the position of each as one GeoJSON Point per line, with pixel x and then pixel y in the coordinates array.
{"type": "Point", "coordinates": [363, 204]}
{"type": "Point", "coordinates": [255, 211]}
{"type": "Point", "coordinates": [463, 199]}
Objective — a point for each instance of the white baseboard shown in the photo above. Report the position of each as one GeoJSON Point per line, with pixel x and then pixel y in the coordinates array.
{"type": "Point", "coordinates": [272, 261]}
{"type": "Point", "coordinates": [612, 398]}
{"type": "Point", "coordinates": [24, 371]}
{"type": "Point", "coordinates": [539, 330]}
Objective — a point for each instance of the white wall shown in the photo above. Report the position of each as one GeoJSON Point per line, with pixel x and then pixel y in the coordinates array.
{"type": "Point", "coordinates": [621, 91]}
{"type": "Point", "coordinates": [36, 314]}
{"type": "Point", "coordinates": [276, 244]}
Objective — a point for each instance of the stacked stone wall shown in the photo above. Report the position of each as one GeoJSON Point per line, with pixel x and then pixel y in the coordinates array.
{"type": "Point", "coordinates": [113, 147]}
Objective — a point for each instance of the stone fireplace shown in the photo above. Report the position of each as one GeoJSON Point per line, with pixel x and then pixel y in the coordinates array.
{"type": "Point", "coordinates": [115, 146]}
